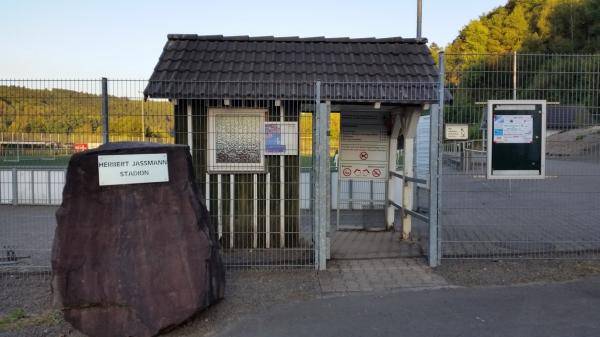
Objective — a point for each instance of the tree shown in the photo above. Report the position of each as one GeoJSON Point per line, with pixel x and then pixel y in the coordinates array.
{"type": "Point", "coordinates": [557, 26]}
{"type": "Point", "coordinates": [435, 52]}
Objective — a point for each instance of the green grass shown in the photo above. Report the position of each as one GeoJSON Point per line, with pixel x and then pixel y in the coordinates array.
{"type": "Point", "coordinates": [19, 319]}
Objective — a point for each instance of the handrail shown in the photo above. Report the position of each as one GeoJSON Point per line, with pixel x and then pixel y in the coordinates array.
{"type": "Point", "coordinates": [409, 211]}
{"type": "Point", "coordinates": [405, 178]}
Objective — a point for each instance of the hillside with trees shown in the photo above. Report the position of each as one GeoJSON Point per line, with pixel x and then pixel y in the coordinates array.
{"type": "Point", "coordinates": [67, 112]}
{"type": "Point", "coordinates": [533, 26]}
{"type": "Point", "coordinates": [558, 46]}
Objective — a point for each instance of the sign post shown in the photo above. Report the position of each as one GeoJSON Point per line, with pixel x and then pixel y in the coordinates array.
{"type": "Point", "coordinates": [516, 142]}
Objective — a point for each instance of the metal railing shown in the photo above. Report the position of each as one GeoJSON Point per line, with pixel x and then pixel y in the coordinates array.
{"type": "Point", "coordinates": [403, 208]}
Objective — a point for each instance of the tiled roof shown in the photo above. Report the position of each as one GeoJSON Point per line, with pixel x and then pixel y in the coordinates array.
{"type": "Point", "coordinates": [393, 69]}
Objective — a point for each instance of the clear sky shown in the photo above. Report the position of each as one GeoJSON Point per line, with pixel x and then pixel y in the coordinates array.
{"type": "Point", "coordinates": [62, 39]}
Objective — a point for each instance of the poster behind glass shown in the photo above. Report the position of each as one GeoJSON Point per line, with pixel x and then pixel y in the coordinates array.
{"type": "Point", "coordinates": [236, 140]}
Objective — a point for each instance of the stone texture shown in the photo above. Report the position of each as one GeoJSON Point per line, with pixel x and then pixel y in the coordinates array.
{"type": "Point", "coordinates": [133, 260]}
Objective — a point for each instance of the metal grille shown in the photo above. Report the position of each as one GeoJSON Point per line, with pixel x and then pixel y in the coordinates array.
{"type": "Point", "coordinates": [260, 202]}
{"type": "Point", "coordinates": [552, 218]}
{"type": "Point", "coordinates": [260, 195]}
{"type": "Point", "coordinates": [256, 204]}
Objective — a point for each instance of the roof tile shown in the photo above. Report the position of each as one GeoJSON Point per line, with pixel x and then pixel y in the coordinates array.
{"type": "Point", "coordinates": [188, 57]}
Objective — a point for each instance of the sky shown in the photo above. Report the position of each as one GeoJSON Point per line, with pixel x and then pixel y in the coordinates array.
{"type": "Point", "coordinates": [77, 39]}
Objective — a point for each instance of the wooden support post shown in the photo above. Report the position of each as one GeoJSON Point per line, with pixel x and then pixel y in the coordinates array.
{"type": "Point", "coordinates": [207, 191]}
{"type": "Point", "coordinates": [220, 205]}
{"type": "Point", "coordinates": [390, 210]}
{"type": "Point", "coordinates": [190, 129]}
{"type": "Point", "coordinates": [281, 190]}
{"type": "Point", "coordinates": [268, 211]}
{"type": "Point", "coordinates": [409, 130]}
{"type": "Point", "coordinates": [255, 211]}
{"type": "Point", "coordinates": [231, 206]}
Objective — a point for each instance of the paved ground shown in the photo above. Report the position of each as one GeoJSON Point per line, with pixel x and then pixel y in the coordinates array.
{"type": "Point", "coordinates": [370, 245]}
{"type": "Point", "coordinates": [569, 309]}
{"type": "Point", "coordinates": [499, 218]}
{"type": "Point", "coordinates": [347, 276]}
{"type": "Point", "coordinates": [264, 295]}
{"type": "Point", "coordinates": [28, 232]}
{"type": "Point", "coordinates": [247, 292]}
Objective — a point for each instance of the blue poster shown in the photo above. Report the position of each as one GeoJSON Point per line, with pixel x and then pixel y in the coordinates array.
{"type": "Point", "coordinates": [273, 141]}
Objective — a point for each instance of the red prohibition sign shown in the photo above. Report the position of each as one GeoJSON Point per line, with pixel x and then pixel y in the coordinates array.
{"type": "Point", "coordinates": [347, 172]}
{"type": "Point", "coordinates": [364, 155]}
{"type": "Point", "coordinates": [376, 173]}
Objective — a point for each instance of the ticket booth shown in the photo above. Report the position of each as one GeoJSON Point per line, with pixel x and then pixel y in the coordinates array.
{"type": "Point", "coordinates": [235, 97]}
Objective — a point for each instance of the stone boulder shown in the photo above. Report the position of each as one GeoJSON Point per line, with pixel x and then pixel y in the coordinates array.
{"type": "Point", "coordinates": [134, 260]}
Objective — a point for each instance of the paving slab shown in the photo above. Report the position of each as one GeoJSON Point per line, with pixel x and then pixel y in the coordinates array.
{"type": "Point", "coordinates": [348, 276]}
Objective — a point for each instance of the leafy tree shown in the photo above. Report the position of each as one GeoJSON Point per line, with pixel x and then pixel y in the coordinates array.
{"type": "Point", "coordinates": [435, 52]}
{"type": "Point", "coordinates": [27, 112]}
{"type": "Point", "coordinates": [479, 61]}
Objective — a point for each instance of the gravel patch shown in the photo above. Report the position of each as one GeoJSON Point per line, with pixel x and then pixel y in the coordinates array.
{"type": "Point", "coordinates": [251, 293]}
{"type": "Point", "coordinates": [247, 293]}
{"type": "Point", "coordinates": [508, 272]}
{"type": "Point", "coordinates": [30, 294]}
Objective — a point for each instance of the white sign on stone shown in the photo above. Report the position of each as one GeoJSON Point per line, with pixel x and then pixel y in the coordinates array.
{"type": "Point", "coordinates": [457, 131]}
{"type": "Point", "coordinates": [364, 146]}
{"type": "Point", "coordinates": [132, 169]}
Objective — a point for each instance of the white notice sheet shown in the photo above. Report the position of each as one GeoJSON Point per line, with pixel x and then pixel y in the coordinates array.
{"type": "Point", "coordinates": [513, 129]}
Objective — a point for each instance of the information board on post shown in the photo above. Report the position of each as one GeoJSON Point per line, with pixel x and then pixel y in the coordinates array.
{"type": "Point", "coordinates": [132, 169]}
{"type": "Point", "coordinates": [364, 146]}
{"type": "Point", "coordinates": [516, 139]}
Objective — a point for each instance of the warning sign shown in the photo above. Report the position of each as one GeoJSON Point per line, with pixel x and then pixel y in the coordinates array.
{"type": "Point", "coordinates": [364, 146]}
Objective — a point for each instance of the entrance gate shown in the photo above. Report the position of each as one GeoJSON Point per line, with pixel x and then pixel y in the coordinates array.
{"type": "Point", "coordinates": [386, 222]}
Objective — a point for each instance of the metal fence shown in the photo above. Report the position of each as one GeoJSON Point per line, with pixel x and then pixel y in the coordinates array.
{"type": "Point", "coordinates": [557, 217]}
{"type": "Point", "coordinates": [252, 189]}
{"type": "Point", "coordinates": [261, 202]}
{"type": "Point", "coordinates": [260, 195]}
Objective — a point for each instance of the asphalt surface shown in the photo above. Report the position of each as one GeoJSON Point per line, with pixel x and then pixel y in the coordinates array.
{"type": "Point", "coordinates": [544, 310]}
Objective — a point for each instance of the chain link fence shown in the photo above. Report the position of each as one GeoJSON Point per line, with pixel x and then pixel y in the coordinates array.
{"type": "Point", "coordinates": [557, 217]}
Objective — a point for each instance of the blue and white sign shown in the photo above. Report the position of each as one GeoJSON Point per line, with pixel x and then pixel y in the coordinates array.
{"type": "Point", "coordinates": [281, 138]}
{"type": "Point", "coordinates": [513, 129]}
